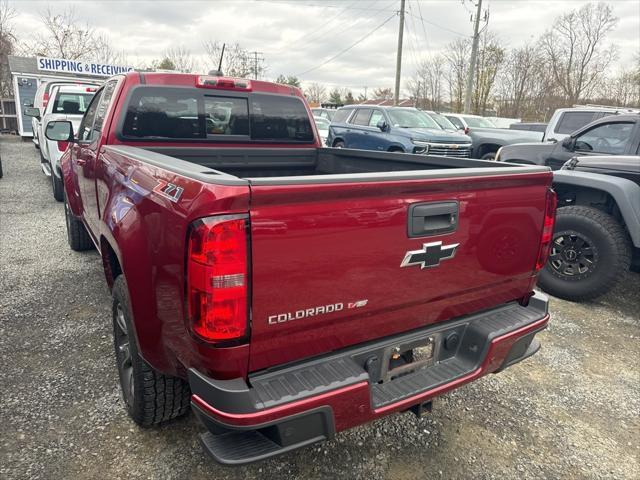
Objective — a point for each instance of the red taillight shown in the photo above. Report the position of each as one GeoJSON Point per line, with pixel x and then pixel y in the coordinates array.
{"type": "Point", "coordinates": [45, 100]}
{"type": "Point", "coordinates": [218, 277]}
{"type": "Point", "coordinates": [91, 89]}
{"type": "Point", "coordinates": [205, 81]}
{"type": "Point", "coordinates": [62, 146]}
{"type": "Point", "coordinates": [547, 229]}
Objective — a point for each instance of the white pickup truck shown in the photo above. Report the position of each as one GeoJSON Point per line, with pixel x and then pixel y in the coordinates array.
{"type": "Point", "coordinates": [65, 102]}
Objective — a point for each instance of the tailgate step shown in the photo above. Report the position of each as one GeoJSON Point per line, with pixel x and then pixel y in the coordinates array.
{"type": "Point", "coordinates": [418, 382]}
{"type": "Point", "coordinates": [480, 330]}
{"type": "Point", "coordinates": [311, 379]}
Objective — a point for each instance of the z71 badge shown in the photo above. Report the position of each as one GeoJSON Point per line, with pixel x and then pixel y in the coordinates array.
{"type": "Point", "coordinates": [169, 190]}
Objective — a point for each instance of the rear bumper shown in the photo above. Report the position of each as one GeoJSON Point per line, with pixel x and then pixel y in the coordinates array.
{"type": "Point", "coordinates": [308, 402]}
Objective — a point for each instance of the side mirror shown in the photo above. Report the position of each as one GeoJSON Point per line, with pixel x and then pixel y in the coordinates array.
{"type": "Point", "coordinates": [32, 112]}
{"type": "Point", "coordinates": [382, 125]}
{"type": "Point", "coordinates": [569, 143]}
{"type": "Point", "coordinates": [59, 131]}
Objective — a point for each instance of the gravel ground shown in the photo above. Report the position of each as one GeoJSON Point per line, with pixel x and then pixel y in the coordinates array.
{"type": "Point", "coordinates": [571, 411]}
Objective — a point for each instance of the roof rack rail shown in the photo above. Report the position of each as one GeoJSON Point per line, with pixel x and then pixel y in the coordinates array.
{"type": "Point", "coordinates": [612, 107]}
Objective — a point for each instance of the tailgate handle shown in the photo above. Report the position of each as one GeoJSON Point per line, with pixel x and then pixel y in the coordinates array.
{"type": "Point", "coordinates": [432, 218]}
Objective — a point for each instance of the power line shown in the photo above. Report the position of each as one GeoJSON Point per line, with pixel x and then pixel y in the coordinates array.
{"type": "Point", "coordinates": [441, 27]}
{"type": "Point", "coordinates": [345, 24]}
{"type": "Point", "coordinates": [424, 29]}
{"type": "Point", "coordinates": [348, 48]}
{"type": "Point", "coordinates": [297, 3]}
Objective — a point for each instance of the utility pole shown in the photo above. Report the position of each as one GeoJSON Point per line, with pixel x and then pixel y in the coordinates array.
{"type": "Point", "coordinates": [396, 94]}
{"type": "Point", "coordinates": [472, 63]}
{"type": "Point", "coordinates": [255, 63]}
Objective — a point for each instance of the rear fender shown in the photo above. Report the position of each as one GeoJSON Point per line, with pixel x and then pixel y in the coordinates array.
{"type": "Point", "coordinates": [624, 192]}
{"type": "Point", "coordinates": [148, 231]}
{"type": "Point", "coordinates": [71, 187]}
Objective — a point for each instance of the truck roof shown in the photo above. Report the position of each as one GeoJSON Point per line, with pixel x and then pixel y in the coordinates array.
{"type": "Point", "coordinates": [189, 79]}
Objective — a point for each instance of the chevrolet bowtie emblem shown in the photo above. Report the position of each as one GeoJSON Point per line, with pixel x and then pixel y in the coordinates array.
{"type": "Point", "coordinates": [430, 255]}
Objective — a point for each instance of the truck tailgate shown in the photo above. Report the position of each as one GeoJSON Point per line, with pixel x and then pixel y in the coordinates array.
{"type": "Point", "coordinates": [332, 263]}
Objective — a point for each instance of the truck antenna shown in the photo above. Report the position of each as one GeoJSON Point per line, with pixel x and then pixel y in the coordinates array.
{"type": "Point", "coordinates": [218, 72]}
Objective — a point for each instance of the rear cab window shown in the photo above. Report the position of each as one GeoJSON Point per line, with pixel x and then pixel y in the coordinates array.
{"type": "Point", "coordinates": [189, 113]}
{"type": "Point", "coordinates": [569, 122]}
{"type": "Point", "coordinates": [71, 103]}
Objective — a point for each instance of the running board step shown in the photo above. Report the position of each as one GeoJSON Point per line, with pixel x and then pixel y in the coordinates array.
{"type": "Point", "coordinates": [46, 169]}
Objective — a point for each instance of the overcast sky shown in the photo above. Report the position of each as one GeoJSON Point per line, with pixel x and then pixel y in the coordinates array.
{"type": "Point", "coordinates": [295, 36]}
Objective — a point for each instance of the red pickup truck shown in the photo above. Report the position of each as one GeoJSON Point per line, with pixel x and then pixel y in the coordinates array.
{"type": "Point", "coordinates": [286, 291]}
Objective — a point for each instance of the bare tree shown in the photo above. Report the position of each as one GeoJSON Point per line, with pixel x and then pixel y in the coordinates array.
{"type": "Point", "coordinates": [621, 90]}
{"type": "Point", "coordinates": [64, 36]}
{"type": "Point", "coordinates": [181, 58]}
{"type": "Point", "coordinates": [574, 49]}
{"type": "Point", "coordinates": [383, 93]}
{"type": "Point", "coordinates": [430, 74]}
{"type": "Point", "coordinates": [237, 61]}
{"type": "Point", "coordinates": [105, 53]}
{"type": "Point", "coordinates": [316, 93]}
{"type": "Point", "coordinates": [517, 79]}
{"type": "Point", "coordinates": [7, 43]}
{"type": "Point", "coordinates": [490, 58]}
{"type": "Point", "coordinates": [457, 56]}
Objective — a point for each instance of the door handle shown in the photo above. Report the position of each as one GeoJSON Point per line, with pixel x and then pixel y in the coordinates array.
{"type": "Point", "coordinates": [432, 218]}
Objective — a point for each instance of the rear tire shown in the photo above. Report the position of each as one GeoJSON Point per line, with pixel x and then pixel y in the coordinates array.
{"type": "Point", "coordinates": [489, 156]}
{"type": "Point", "coordinates": [150, 396]}
{"type": "Point", "coordinates": [338, 144]}
{"type": "Point", "coordinates": [589, 254]}
{"type": "Point", "coordinates": [58, 188]}
{"type": "Point", "coordinates": [77, 234]}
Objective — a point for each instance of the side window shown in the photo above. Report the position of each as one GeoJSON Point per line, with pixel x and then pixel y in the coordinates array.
{"type": "Point", "coordinates": [362, 116]}
{"type": "Point", "coordinates": [376, 116]}
{"type": "Point", "coordinates": [456, 121]}
{"type": "Point", "coordinates": [571, 121]}
{"type": "Point", "coordinates": [103, 105]}
{"type": "Point", "coordinates": [86, 125]}
{"type": "Point", "coordinates": [342, 115]}
{"type": "Point", "coordinates": [609, 138]}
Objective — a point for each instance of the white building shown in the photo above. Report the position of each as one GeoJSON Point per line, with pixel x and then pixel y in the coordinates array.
{"type": "Point", "coordinates": [29, 72]}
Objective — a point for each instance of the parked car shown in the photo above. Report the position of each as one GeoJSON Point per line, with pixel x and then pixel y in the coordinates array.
{"type": "Point", "coordinates": [487, 139]}
{"type": "Point", "coordinates": [610, 135]}
{"type": "Point", "coordinates": [502, 122]}
{"type": "Point", "coordinates": [66, 102]}
{"type": "Point", "coordinates": [326, 113]}
{"type": "Point", "coordinates": [322, 124]}
{"type": "Point", "coordinates": [287, 291]}
{"type": "Point", "coordinates": [41, 100]}
{"type": "Point", "coordinates": [597, 232]}
{"type": "Point", "coordinates": [565, 121]}
{"type": "Point", "coordinates": [442, 121]}
{"type": "Point", "coordinates": [394, 129]}
{"type": "Point", "coordinates": [531, 126]}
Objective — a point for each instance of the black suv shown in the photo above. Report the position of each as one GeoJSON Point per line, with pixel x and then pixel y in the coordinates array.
{"type": "Point", "coordinates": [611, 135]}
